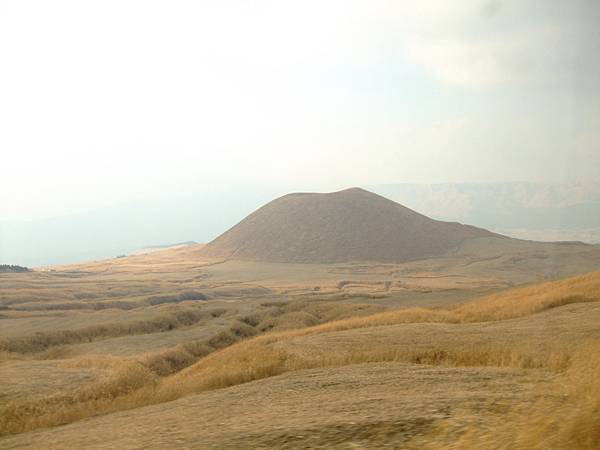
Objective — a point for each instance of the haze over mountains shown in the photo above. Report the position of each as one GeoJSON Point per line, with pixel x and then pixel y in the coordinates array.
{"type": "Point", "coordinates": [344, 226]}
{"type": "Point", "coordinates": [507, 207]}
{"type": "Point", "coordinates": [537, 211]}
{"type": "Point", "coordinates": [127, 227]}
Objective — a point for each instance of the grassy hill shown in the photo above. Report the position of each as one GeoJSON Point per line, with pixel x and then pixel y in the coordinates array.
{"type": "Point", "coordinates": [350, 225]}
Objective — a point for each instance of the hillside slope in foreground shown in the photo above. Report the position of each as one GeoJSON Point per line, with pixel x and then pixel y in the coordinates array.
{"type": "Point", "coordinates": [350, 225]}
{"type": "Point", "coordinates": [518, 369]}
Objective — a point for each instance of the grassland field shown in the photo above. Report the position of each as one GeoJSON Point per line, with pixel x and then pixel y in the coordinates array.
{"type": "Point", "coordinates": [471, 350]}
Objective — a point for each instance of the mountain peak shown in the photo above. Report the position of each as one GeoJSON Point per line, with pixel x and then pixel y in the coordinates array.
{"type": "Point", "coordinates": [349, 225]}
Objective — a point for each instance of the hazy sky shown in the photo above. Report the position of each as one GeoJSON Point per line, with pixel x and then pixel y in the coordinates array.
{"type": "Point", "coordinates": [104, 101]}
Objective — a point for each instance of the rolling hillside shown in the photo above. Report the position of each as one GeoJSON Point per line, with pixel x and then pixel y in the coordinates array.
{"type": "Point", "coordinates": [517, 369]}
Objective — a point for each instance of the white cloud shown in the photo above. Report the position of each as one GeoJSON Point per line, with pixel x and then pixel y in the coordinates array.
{"type": "Point", "coordinates": [105, 100]}
{"type": "Point", "coordinates": [485, 44]}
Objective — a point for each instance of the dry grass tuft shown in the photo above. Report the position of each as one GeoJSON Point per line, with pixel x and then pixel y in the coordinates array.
{"type": "Point", "coordinates": [265, 356]}
{"type": "Point", "coordinates": [567, 416]}
{"type": "Point", "coordinates": [42, 341]}
{"type": "Point", "coordinates": [129, 377]}
{"type": "Point", "coordinates": [533, 299]}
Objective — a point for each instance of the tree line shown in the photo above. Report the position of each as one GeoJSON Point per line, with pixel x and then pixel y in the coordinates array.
{"type": "Point", "coordinates": [10, 268]}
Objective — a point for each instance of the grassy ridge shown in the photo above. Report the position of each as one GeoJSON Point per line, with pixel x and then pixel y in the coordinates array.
{"type": "Point", "coordinates": [136, 381]}
{"type": "Point", "coordinates": [508, 305]}
{"type": "Point", "coordinates": [43, 340]}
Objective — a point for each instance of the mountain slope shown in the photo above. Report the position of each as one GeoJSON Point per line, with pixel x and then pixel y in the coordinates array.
{"type": "Point", "coordinates": [350, 225]}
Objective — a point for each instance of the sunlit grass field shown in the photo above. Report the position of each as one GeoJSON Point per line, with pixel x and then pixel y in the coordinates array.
{"type": "Point", "coordinates": [515, 368]}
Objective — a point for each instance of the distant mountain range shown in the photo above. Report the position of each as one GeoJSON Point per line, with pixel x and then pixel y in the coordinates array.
{"type": "Point", "coordinates": [527, 210]}
{"type": "Point", "coordinates": [518, 205]}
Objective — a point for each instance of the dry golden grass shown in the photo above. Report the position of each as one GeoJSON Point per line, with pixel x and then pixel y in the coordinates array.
{"type": "Point", "coordinates": [193, 365]}
{"type": "Point", "coordinates": [137, 383]}
{"type": "Point", "coordinates": [371, 406]}
{"type": "Point", "coordinates": [505, 305]}
{"type": "Point", "coordinates": [512, 304]}
{"type": "Point", "coordinates": [564, 417]}
{"type": "Point", "coordinates": [43, 340]}
{"type": "Point", "coordinates": [579, 426]}
{"type": "Point", "coordinates": [88, 400]}
{"type": "Point", "coordinates": [567, 416]}
{"type": "Point", "coordinates": [532, 299]}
